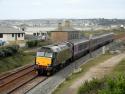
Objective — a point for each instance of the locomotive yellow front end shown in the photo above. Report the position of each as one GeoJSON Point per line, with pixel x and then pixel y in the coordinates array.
{"type": "Point", "coordinates": [43, 62]}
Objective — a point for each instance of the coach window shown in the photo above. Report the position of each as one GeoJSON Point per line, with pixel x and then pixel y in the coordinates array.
{"type": "Point", "coordinates": [1, 35]}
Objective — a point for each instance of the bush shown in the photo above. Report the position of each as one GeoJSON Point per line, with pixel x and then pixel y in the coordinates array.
{"type": "Point", "coordinates": [32, 43]}
{"type": "Point", "coordinates": [43, 43]}
{"type": "Point", "coordinates": [110, 85]}
{"type": "Point", "coordinates": [115, 85]}
{"type": "Point", "coordinates": [8, 50]}
{"type": "Point", "coordinates": [92, 86]}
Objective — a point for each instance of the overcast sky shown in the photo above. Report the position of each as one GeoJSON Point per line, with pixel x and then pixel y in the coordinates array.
{"type": "Point", "coordinates": [35, 9]}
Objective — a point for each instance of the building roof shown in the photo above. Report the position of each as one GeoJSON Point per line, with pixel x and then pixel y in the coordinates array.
{"type": "Point", "coordinates": [37, 29]}
{"type": "Point", "coordinates": [8, 30]}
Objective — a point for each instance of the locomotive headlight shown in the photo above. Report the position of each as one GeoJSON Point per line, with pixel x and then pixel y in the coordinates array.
{"type": "Point", "coordinates": [37, 63]}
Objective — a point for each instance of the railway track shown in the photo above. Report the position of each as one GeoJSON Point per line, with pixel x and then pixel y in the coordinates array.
{"type": "Point", "coordinates": [16, 80]}
{"type": "Point", "coordinates": [29, 85]}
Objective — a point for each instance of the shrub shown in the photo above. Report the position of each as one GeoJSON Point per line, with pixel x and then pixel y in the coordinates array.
{"type": "Point", "coordinates": [32, 43]}
{"type": "Point", "coordinates": [110, 85]}
{"type": "Point", "coordinates": [92, 86]}
{"type": "Point", "coordinates": [8, 50]}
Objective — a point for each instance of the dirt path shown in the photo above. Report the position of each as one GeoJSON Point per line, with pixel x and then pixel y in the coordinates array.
{"type": "Point", "coordinates": [97, 71]}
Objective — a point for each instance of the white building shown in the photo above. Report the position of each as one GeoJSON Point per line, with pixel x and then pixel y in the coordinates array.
{"type": "Point", "coordinates": [39, 32]}
{"type": "Point", "coordinates": [11, 34]}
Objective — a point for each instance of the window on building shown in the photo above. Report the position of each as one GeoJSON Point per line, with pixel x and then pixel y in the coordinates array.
{"type": "Point", "coordinates": [1, 35]}
{"type": "Point", "coordinates": [34, 34]}
{"type": "Point", "coordinates": [22, 35]}
{"type": "Point", "coordinates": [37, 34]}
{"type": "Point", "coordinates": [12, 35]}
{"type": "Point", "coordinates": [18, 35]}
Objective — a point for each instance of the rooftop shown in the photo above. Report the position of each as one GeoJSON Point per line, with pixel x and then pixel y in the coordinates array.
{"type": "Point", "coordinates": [37, 29]}
{"type": "Point", "coordinates": [8, 30]}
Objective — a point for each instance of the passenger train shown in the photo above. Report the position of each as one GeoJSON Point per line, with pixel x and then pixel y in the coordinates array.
{"type": "Point", "coordinates": [51, 58]}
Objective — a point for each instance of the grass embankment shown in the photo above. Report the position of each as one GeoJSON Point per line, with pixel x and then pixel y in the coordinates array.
{"type": "Point", "coordinates": [15, 61]}
{"type": "Point", "coordinates": [112, 84]}
{"type": "Point", "coordinates": [76, 76]}
{"type": "Point", "coordinates": [120, 67]}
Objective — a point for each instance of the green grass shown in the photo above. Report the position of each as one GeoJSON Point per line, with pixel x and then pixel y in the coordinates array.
{"type": "Point", "coordinates": [114, 83]}
{"type": "Point", "coordinates": [116, 31]}
{"type": "Point", "coordinates": [120, 67]}
{"type": "Point", "coordinates": [15, 61]}
{"type": "Point", "coordinates": [76, 76]}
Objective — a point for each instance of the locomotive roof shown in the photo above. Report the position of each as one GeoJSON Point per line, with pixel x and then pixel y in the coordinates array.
{"type": "Point", "coordinates": [57, 47]}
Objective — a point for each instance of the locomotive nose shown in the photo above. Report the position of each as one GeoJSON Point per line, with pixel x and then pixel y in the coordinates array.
{"type": "Point", "coordinates": [43, 61]}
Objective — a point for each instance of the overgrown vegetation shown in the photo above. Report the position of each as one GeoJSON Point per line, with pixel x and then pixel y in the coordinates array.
{"type": "Point", "coordinates": [113, 84]}
{"type": "Point", "coordinates": [32, 43]}
{"type": "Point", "coordinates": [109, 85]}
{"type": "Point", "coordinates": [8, 50]}
{"type": "Point", "coordinates": [15, 61]}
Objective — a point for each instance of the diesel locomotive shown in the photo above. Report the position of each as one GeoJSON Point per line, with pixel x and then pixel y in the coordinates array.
{"type": "Point", "coordinates": [51, 58]}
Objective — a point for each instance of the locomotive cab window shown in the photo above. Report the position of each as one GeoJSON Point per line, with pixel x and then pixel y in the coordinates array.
{"type": "Point", "coordinates": [44, 54]}
{"type": "Point", "coordinates": [40, 53]}
{"type": "Point", "coordinates": [47, 54]}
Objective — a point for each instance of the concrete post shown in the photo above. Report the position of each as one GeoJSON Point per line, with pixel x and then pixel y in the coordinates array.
{"type": "Point", "coordinates": [103, 49]}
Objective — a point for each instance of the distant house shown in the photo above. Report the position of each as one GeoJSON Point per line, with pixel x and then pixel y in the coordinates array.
{"type": "Point", "coordinates": [11, 34]}
{"type": "Point", "coordinates": [64, 33]}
